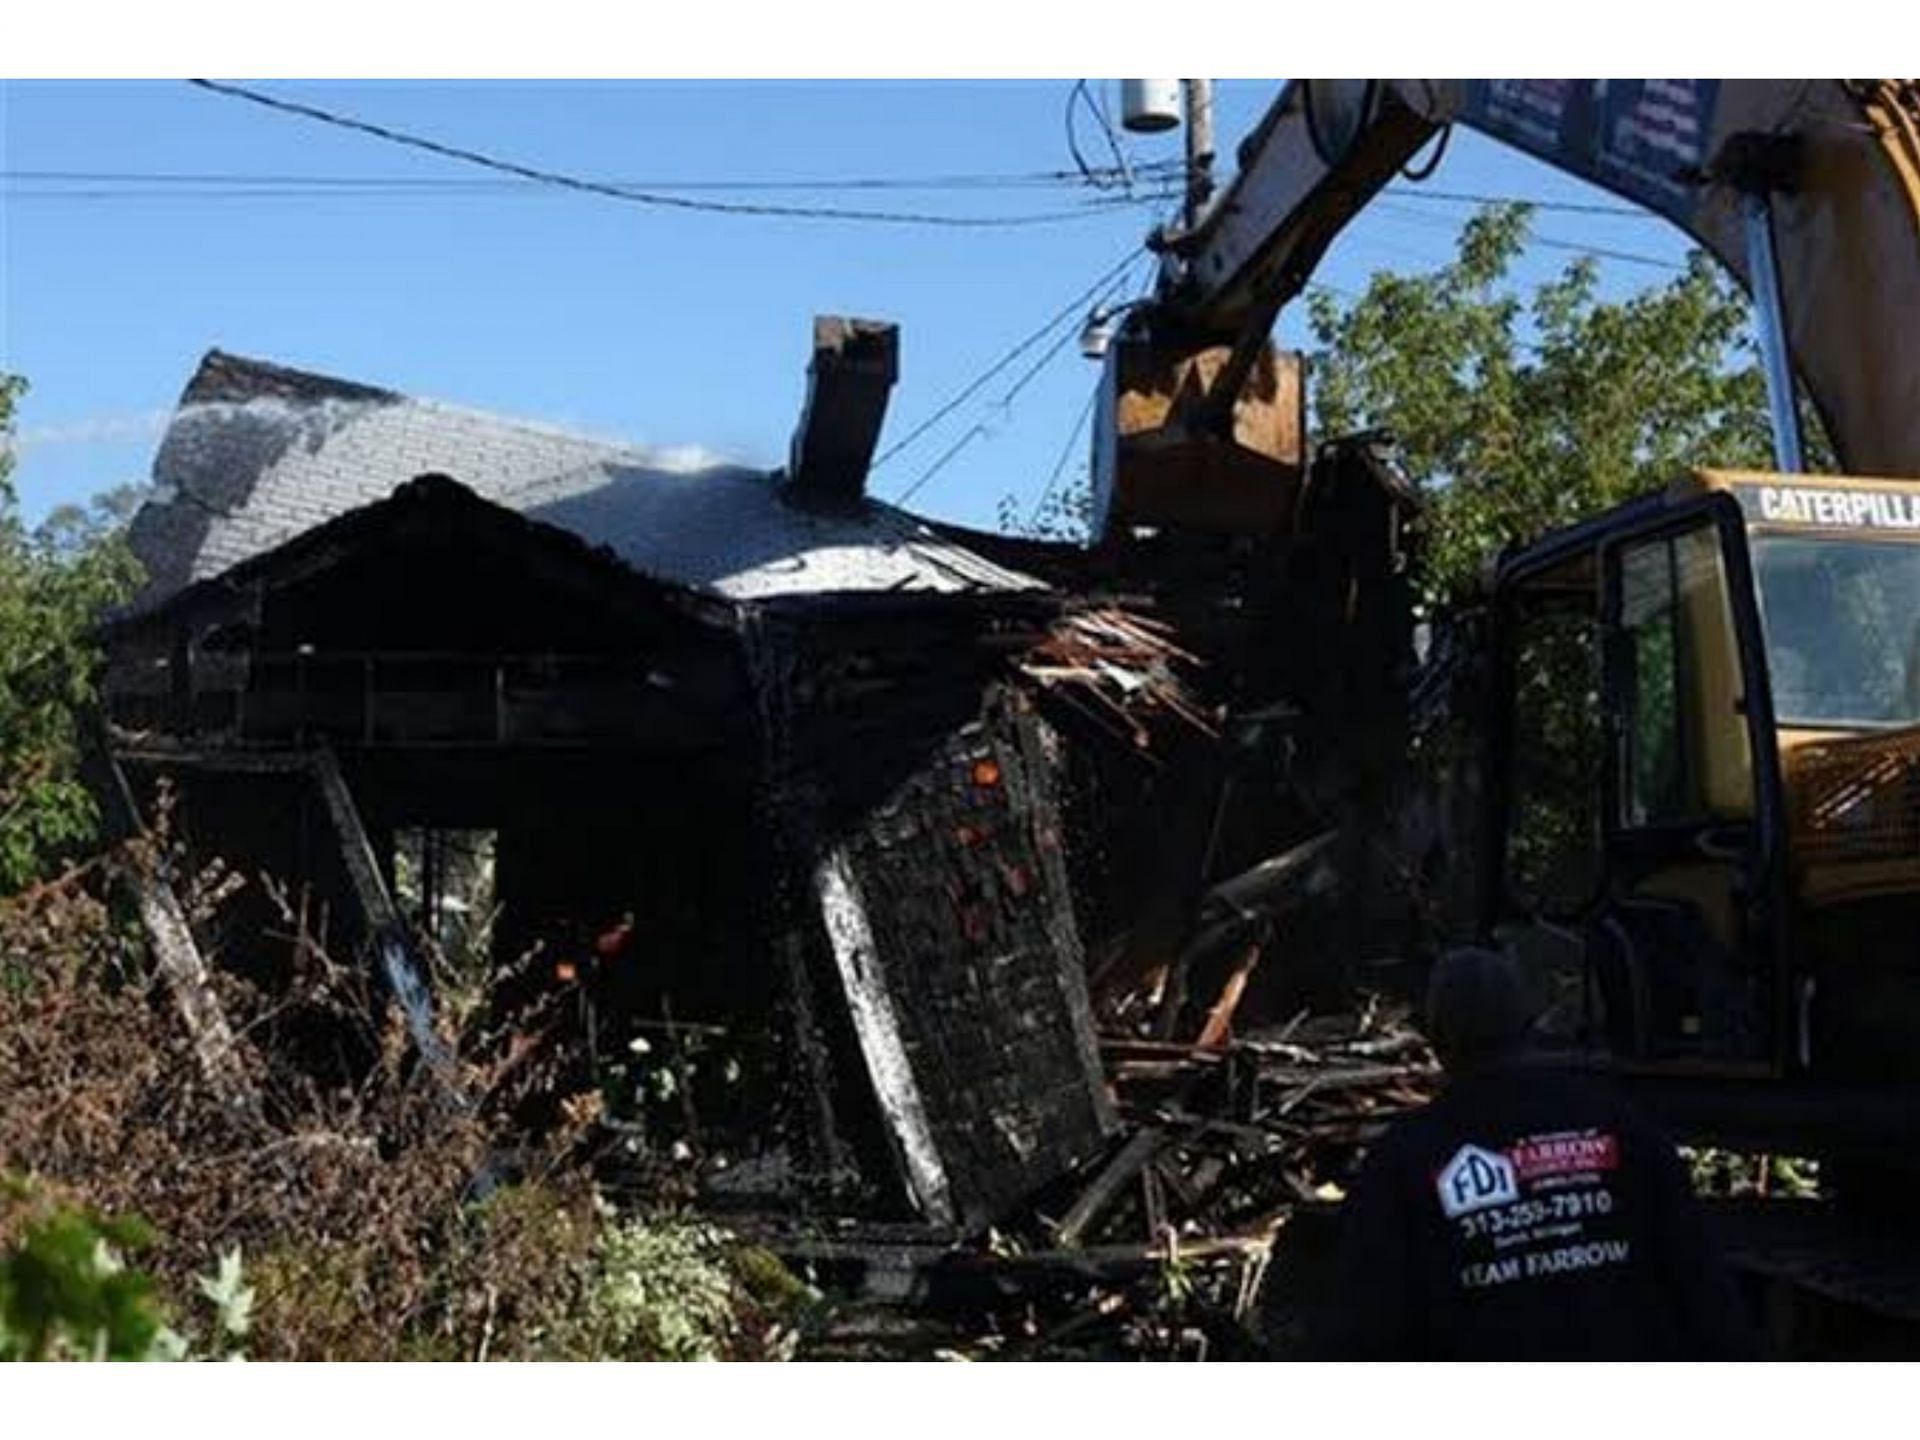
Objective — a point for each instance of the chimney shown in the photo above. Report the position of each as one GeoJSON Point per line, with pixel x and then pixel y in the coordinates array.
{"type": "Point", "coordinates": [855, 363]}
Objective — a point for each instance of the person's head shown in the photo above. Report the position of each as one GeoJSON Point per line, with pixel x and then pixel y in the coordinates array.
{"type": "Point", "coordinates": [1477, 1008]}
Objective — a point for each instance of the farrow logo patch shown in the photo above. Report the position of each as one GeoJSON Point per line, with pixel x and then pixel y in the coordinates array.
{"type": "Point", "coordinates": [1474, 1179]}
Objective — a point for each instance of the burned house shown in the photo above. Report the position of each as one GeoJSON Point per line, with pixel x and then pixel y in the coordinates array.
{"type": "Point", "coordinates": [877, 815]}
{"type": "Point", "coordinates": [742, 754]}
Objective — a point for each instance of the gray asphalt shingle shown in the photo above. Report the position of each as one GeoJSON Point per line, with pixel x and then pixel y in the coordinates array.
{"type": "Point", "coordinates": [258, 453]}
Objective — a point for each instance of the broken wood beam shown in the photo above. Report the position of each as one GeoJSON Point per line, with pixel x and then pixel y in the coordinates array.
{"type": "Point", "coordinates": [854, 365]}
{"type": "Point", "coordinates": [1128, 1161]}
{"type": "Point", "coordinates": [1111, 1262]}
{"type": "Point", "coordinates": [1219, 1027]}
{"type": "Point", "coordinates": [391, 940]}
{"type": "Point", "coordinates": [170, 936]}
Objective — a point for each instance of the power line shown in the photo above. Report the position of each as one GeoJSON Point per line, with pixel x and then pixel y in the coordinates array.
{"type": "Point", "coordinates": [1562, 207]}
{"type": "Point", "coordinates": [938, 465]}
{"type": "Point", "coordinates": [1066, 450]}
{"type": "Point", "coordinates": [1066, 312]}
{"type": "Point", "coordinates": [1603, 252]}
{"type": "Point", "coordinates": [1093, 206]}
{"type": "Point", "coordinates": [1546, 242]}
{"type": "Point", "coordinates": [623, 192]}
{"type": "Point", "coordinates": [1003, 405]}
{"type": "Point", "coordinates": [242, 181]}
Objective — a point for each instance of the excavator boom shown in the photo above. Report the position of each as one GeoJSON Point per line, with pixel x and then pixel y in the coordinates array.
{"type": "Point", "coordinates": [1838, 162]}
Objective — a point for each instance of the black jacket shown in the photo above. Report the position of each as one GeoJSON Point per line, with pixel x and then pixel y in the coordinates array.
{"type": "Point", "coordinates": [1528, 1214]}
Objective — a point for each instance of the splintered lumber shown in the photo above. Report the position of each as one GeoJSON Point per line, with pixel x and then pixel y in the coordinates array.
{"type": "Point", "coordinates": [185, 969]}
{"type": "Point", "coordinates": [1219, 1024]}
{"type": "Point", "coordinates": [1118, 1262]}
{"type": "Point", "coordinates": [175, 951]}
{"type": "Point", "coordinates": [1120, 670]}
{"type": "Point", "coordinates": [391, 940]}
{"type": "Point", "coordinates": [1128, 1161]}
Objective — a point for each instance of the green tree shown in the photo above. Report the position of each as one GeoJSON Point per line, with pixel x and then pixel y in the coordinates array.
{"type": "Point", "coordinates": [57, 579]}
{"type": "Point", "coordinates": [1518, 416]}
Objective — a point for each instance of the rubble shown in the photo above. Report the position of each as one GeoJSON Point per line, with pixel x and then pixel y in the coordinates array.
{"type": "Point", "coordinates": [1203, 1231]}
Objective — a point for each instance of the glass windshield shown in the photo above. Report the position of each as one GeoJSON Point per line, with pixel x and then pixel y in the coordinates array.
{"type": "Point", "coordinates": [1842, 623]}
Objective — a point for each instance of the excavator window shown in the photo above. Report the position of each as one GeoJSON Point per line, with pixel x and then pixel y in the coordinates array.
{"type": "Point", "coordinates": [1677, 687]}
{"type": "Point", "coordinates": [1554, 860]}
{"type": "Point", "coordinates": [1842, 619]}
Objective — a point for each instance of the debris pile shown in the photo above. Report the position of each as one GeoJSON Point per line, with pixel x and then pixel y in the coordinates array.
{"type": "Point", "coordinates": [1121, 671]}
{"type": "Point", "coordinates": [1204, 1230]}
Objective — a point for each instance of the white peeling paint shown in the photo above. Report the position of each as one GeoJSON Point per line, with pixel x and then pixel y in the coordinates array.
{"type": "Point", "coordinates": [858, 961]}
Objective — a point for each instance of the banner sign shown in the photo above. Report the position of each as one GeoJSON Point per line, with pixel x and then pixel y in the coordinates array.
{"type": "Point", "coordinates": [1646, 139]}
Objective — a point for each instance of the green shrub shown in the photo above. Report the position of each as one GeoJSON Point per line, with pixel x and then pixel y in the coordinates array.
{"type": "Point", "coordinates": [67, 1293]}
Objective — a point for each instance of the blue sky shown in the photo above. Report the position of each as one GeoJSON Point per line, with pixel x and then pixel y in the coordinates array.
{"type": "Point", "coordinates": [655, 326]}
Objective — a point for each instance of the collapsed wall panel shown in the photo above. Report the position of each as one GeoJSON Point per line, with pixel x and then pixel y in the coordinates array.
{"type": "Point", "coordinates": [978, 967]}
{"type": "Point", "coordinates": [917, 794]}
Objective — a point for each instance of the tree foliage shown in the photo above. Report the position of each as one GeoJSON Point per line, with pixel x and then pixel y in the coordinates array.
{"type": "Point", "coordinates": [56, 581]}
{"type": "Point", "coordinates": [1519, 416]}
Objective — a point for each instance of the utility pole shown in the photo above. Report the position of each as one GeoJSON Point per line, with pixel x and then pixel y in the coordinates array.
{"type": "Point", "coordinates": [1199, 103]}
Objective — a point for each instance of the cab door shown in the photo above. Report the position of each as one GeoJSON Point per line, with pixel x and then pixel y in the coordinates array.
{"type": "Point", "coordinates": [1686, 934]}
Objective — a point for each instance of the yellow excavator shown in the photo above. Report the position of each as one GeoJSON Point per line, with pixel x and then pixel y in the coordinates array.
{"type": "Point", "coordinates": [1698, 778]}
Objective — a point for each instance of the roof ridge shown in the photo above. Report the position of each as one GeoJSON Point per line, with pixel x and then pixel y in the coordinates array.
{"type": "Point", "coordinates": [223, 375]}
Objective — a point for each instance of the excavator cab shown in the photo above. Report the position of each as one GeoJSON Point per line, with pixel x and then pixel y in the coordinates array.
{"type": "Point", "coordinates": [1635, 799]}
{"type": "Point", "coordinates": [1703, 778]}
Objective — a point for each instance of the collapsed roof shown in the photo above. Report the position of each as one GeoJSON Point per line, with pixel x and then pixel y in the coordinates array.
{"type": "Point", "coordinates": [258, 453]}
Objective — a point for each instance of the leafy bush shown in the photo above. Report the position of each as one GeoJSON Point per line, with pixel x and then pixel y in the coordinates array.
{"type": "Point", "coordinates": [56, 582]}
{"type": "Point", "coordinates": [66, 1291]}
{"type": "Point", "coordinates": [669, 1287]}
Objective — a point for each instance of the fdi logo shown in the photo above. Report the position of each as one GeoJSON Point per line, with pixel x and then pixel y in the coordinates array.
{"type": "Point", "coordinates": [1474, 1179]}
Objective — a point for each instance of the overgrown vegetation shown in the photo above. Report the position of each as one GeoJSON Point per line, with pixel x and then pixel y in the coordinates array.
{"type": "Point", "coordinates": [340, 1216]}
{"type": "Point", "coordinates": [56, 580]}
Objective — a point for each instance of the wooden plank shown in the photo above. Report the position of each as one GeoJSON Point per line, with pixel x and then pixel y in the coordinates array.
{"type": "Point", "coordinates": [182, 965]}
{"type": "Point", "coordinates": [1128, 1162]}
{"type": "Point", "coordinates": [392, 943]}
{"type": "Point", "coordinates": [1219, 1027]}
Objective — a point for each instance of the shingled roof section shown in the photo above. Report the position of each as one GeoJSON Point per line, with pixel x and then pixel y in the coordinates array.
{"type": "Point", "coordinates": [258, 453]}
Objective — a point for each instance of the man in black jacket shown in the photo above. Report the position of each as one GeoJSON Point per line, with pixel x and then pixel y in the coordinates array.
{"type": "Point", "coordinates": [1526, 1214]}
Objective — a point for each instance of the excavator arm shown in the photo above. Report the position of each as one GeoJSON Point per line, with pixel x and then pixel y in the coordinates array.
{"type": "Point", "coordinates": [1837, 163]}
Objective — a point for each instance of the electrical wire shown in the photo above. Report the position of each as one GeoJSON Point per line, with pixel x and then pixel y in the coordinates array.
{"type": "Point", "coordinates": [1089, 207]}
{"type": "Point", "coordinates": [1067, 312]}
{"type": "Point", "coordinates": [1066, 450]}
{"type": "Point", "coordinates": [1012, 180]}
{"type": "Point", "coordinates": [1114, 147]}
{"type": "Point", "coordinates": [1562, 207]}
{"type": "Point", "coordinates": [1389, 211]}
{"type": "Point", "coordinates": [622, 192]}
{"type": "Point", "coordinates": [1003, 405]}
{"type": "Point", "coordinates": [934, 469]}
{"type": "Point", "coordinates": [1078, 94]}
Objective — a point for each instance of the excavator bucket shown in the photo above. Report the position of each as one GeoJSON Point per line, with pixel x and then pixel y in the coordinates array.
{"type": "Point", "coordinates": [1156, 467]}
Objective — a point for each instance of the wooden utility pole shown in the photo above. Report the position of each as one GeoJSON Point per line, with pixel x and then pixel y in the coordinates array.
{"type": "Point", "coordinates": [1199, 100]}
